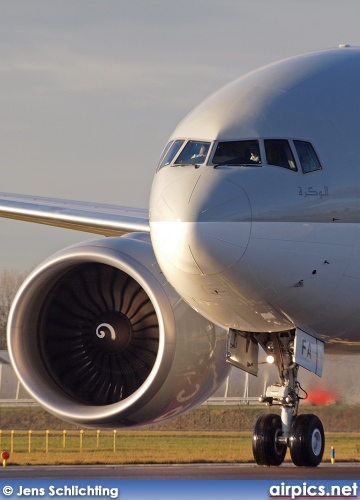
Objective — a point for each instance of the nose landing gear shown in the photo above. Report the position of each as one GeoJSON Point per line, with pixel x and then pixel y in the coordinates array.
{"type": "Point", "coordinates": [273, 434]}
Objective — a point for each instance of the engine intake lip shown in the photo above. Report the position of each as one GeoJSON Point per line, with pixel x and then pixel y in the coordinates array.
{"type": "Point", "coordinates": [28, 353]}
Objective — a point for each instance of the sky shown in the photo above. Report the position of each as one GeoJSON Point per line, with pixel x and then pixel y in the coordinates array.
{"type": "Point", "coordinates": [91, 90]}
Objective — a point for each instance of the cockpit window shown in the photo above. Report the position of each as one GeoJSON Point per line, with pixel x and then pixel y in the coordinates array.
{"type": "Point", "coordinates": [194, 153]}
{"type": "Point", "coordinates": [237, 153]}
{"type": "Point", "coordinates": [164, 153]}
{"type": "Point", "coordinates": [307, 156]}
{"type": "Point", "coordinates": [170, 152]}
{"type": "Point", "coordinates": [278, 152]}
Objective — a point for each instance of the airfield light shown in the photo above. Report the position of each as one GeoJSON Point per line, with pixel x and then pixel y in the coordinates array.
{"type": "Point", "coordinates": [5, 455]}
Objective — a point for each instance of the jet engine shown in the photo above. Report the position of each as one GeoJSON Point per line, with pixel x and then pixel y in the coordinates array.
{"type": "Point", "coordinates": [98, 337]}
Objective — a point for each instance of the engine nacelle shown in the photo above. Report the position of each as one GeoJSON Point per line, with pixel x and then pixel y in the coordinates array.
{"type": "Point", "coordinates": [98, 337]}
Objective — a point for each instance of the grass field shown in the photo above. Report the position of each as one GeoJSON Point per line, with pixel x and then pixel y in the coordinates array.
{"type": "Point", "coordinates": [150, 447]}
{"type": "Point", "coordinates": [203, 435]}
{"type": "Point", "coordinates": [335, 418]}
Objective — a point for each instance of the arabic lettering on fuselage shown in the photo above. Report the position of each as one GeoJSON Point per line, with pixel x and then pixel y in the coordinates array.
{"type": "Point", "coordinates": [310, 191]}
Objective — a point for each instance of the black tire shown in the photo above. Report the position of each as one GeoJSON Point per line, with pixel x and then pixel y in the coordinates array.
{"type": "Point", "coordinates": [266, 449]}
{"type": "Point", "coordinates": [307, 441]}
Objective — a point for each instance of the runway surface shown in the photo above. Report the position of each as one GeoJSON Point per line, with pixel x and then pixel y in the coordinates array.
{"type": "Point", "coordinates": [180, 471]}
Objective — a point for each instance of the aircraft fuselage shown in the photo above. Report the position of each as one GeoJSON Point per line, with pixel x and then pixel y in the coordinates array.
{"type": "Point", "coordinates": [268, 245]}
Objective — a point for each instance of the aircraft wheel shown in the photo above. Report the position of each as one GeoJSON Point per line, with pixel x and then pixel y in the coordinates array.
{"type": "Point", "coordinates": [307, 441]}
{"type": "Point", "coordinates": [266, 449]}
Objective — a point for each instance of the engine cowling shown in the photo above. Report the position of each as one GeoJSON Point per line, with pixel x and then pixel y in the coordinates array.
{"type": "Point", "coordinates": [98, 337]}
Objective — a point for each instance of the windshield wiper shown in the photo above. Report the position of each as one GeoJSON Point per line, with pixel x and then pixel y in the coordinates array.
{"type": "Point", "coordinates": [196, 165]}
{"type": "Point", "coordinates": [233, 164]}
{"type": "Point", "coordinates": [229, 164]}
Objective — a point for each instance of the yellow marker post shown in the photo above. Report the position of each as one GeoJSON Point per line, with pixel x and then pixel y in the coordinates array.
{"type": "Point", "coordinates": [332, 455]}
{"type": "Point", "coordinates": [29, 446]}
{"type": "Point", "coordinates": [5, 455]}
{"type": "Point", "coordinates": [97, 439]}
{"type": "Point", "coordinates": [64, 438]}
{"type": "Point", "coordinates": [81, 439]}
{"type": "Point", "coordinates": [12, 441]}
{"type": "Point", "coordinates": [114, 441]}
{"type": "Point", "coordinates": [47, 441]}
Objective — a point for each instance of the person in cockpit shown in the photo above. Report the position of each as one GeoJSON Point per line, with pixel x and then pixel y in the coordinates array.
{"type": "Point", "coordinates": [254, 153]}
{"type": "Point", "coordinates": [200, 155]}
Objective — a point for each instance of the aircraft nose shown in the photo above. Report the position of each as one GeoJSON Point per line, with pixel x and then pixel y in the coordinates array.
{"type": "Point", "coordinates": [201, 223]}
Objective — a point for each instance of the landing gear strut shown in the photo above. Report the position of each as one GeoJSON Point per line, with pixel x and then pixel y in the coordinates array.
{"type": "Point", "coordinates": [303, 434]}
